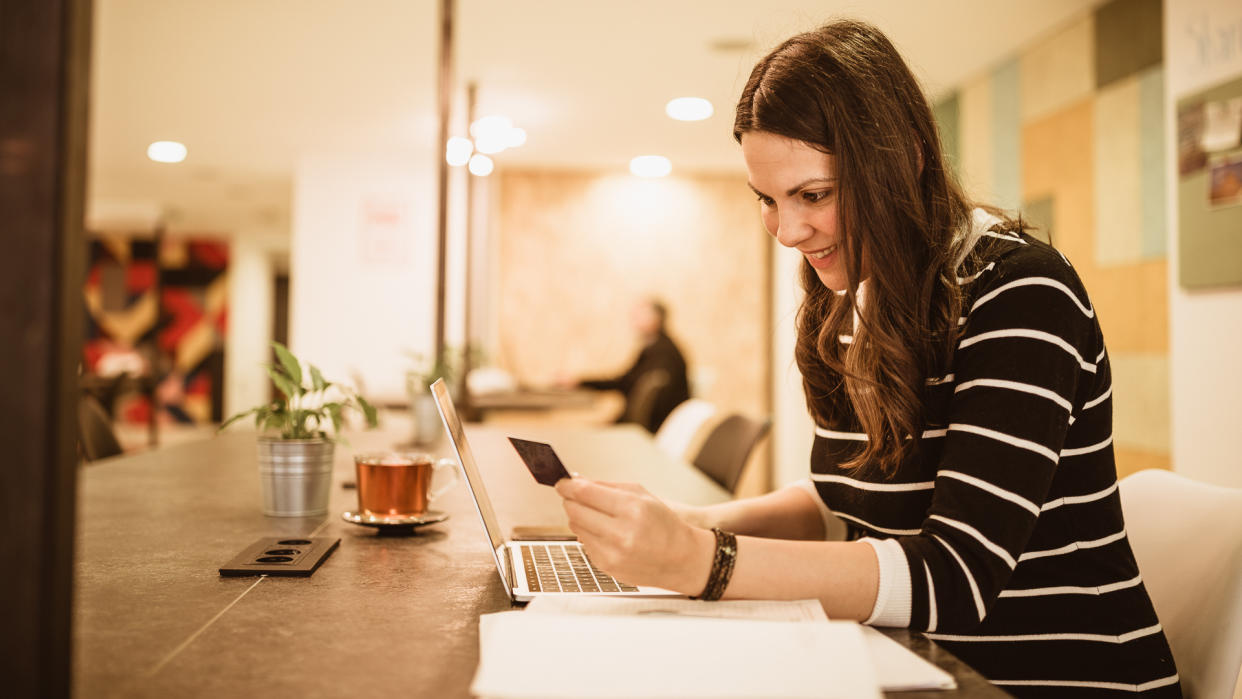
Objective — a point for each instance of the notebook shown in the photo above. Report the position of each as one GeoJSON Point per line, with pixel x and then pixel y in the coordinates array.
{"type": "Point", "coordinates": [530, 569]}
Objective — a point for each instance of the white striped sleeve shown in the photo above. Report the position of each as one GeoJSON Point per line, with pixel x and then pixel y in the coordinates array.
{"type": "Point", "coordinates": [893, 599]}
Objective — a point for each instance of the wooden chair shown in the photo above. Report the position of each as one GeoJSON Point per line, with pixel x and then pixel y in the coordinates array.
{"type": "Point", "coordinates": [727, 448]}
{"type": "Point", "coordinates": [1187, 537]}
{"type": "Point", "coordinates": [640, 403]}
{"type": "Point", "coordinates": [95, 434]}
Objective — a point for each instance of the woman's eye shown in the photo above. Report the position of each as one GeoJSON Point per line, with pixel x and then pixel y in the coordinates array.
{"type": "Point", "coordinates": [765, 200]}
{"type": "Point", "coordinates": [814, 197]}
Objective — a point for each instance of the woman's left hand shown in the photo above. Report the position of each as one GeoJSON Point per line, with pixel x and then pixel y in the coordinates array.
{"type": "Point", "coordinates": [634, 537]}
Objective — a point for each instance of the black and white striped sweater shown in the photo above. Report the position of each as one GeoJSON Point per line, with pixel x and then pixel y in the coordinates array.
{"type": "Point", "coordinates": [1009, 519]}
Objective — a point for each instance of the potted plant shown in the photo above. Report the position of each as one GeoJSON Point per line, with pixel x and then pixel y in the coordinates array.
{"type": "Point", "coordinates": [296, 448]}
{"type": "Point", "coordinates": [417, 385]}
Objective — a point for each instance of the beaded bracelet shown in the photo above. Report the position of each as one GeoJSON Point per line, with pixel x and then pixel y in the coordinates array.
{"type": "Point", "coordinates": [722, 565]}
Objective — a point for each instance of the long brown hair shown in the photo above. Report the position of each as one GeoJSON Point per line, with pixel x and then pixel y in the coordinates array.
{"type": "Point", "coordinates": [844, 90]}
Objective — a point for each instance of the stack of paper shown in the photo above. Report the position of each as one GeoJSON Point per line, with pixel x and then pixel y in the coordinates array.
{"type": "Point", "coordinates": [762, 610]}
{"type": "Point", "coordinates": [525, 655]}
{"type": "Point", "coordinates": [689, 648]}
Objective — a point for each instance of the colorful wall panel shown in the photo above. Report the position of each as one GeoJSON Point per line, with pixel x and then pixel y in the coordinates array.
{"type": "Point", "coordinates": [1071, 133]}
{"type": "Point", "coordinates": [157, 307]}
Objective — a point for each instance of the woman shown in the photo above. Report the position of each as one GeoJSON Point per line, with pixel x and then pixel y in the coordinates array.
{"type": "Point", "coordinates": [961, 391]}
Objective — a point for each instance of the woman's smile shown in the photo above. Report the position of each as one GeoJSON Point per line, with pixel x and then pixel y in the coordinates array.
{"type": "Point", "coordinates": [822, 258]}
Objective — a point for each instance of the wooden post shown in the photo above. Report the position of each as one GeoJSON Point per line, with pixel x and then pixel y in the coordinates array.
{"type": "Point", "coordinates": [445, 80]}
{"type": "Point", "coordinates": [44, 76]}
{"type": "Point", "coordinates": [463, 389]}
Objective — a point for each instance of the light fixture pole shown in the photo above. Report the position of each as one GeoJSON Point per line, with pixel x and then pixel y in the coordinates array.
{"type": "Point", "coordinates": [467, 349]}
{"type": "Point", "coordinates": [445, 82]}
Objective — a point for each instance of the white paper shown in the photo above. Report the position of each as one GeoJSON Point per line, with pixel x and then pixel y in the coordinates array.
{"type": "Point", "coordinates": [899, 670]}
{"type": "Point", "coordinates": [764, 610]}
{"type": "Point", "coordinates": [896, 668]}
{"type": "Point", "coordinates": [549, 655]}
{"type": "Point", "coordinates": [1223, 125]}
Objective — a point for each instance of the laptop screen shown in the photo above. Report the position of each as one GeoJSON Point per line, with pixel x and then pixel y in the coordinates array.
{"type": "Point", "coordinates": [474, 480]}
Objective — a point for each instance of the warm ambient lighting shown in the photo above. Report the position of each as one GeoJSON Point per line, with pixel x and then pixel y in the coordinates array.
{"type": "Point", "coordinates": [495, 133]}
{"type": "Point", "coordinates": [651, 166]}
{"type": "Point", "coordinates": [689, 109]}
{"type": "Point", "coordinates": [166, 152]}
{"type": "Point", "coordinates": [458, 151]}
{"type": "Point", "coordinates": [481, 165]}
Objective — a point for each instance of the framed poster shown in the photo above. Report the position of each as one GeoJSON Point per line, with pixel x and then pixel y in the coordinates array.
{"type": "Point", "coordinates": [1209, 187]}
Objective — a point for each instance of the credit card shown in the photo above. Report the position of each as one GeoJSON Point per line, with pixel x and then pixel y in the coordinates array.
{"type": "Point", "coordinates": [542, 461]}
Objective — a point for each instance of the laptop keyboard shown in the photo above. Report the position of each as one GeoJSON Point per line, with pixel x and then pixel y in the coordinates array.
{"type": "Point", "coordinates": [561, 568]}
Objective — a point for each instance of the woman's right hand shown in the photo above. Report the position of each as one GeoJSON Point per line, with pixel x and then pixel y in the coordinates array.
{"type": "Point", "coordinates": [632, 535]}
{"type": "Point", "coordinates": [690, 514]}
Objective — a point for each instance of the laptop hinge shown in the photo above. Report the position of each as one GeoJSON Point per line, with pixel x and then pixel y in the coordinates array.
{"type": "Point", "coordinates": [510, 579]}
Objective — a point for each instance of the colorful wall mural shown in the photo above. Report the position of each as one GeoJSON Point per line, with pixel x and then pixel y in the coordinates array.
{"type": "Point", "coordinates": [157, 314]}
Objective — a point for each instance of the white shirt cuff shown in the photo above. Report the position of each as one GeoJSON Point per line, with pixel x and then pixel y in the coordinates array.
{"type": "Point", "coordinates": [893, 601]}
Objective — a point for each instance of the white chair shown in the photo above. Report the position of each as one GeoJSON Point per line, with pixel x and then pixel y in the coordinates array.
{"type": "Point", "coordinates": [1187, 537]}
{"type": "Point", "coordinates": [683, 431]}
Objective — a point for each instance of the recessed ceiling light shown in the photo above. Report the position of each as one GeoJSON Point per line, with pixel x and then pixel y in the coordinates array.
{"type": "Point", "coordinates": [458, 151]}
{"type": "Point", "coordinates": [651, 166]}
{"type": "Point", "coordinates": [689, 109]}
{"type": "Point", "coordinates": [481, 165]}
{"type": "Point", "coordinates": [166, 152]}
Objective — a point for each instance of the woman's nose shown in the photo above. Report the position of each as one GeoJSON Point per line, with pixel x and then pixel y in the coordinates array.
{"type": "Point", "coordinates": [792, 230]}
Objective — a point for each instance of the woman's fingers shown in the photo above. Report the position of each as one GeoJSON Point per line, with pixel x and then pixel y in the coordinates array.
{"type": "Point", "coordinates": [592, 522]}
{"type": "Point", "coordinates": [629, 487]}
{"type": "Point", "coordinates": [612, 501]}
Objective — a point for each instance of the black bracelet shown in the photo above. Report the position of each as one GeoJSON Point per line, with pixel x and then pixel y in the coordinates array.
{"type": "Point", "coordinates": [722, 565]}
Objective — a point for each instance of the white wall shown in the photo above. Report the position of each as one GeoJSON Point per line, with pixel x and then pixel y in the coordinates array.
{"type": "Point", "coordinates": [1202, 47]}
{"type": "Point", "coordinates": [792, 429]}
{"type": "Point", "coordinates": [362, 266]}
{"type": "Point", "coordinates": [251, 292]}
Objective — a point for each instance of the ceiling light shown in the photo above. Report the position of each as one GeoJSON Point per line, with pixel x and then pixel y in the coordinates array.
{"type": "Point", "coordinates": [651, 166]}
{"type": "Point", "coordinates": [517, 137]}
{"type": "Point", "coordinates": [689, 109]}
{"type": "Point", "coordinates": [458, 151]}
{"type": "Point", "coordinates": [166, 152]}
{"type": "Point", "coordinates": [481, 165]}
{"type": "Point", "coordinates": [491, 133]}
{"type": "Point", "coordinates": [491, 143]}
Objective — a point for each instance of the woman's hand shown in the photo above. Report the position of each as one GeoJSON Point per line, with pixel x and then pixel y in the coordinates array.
{"type": "Point", "coordinates": [634, 537]}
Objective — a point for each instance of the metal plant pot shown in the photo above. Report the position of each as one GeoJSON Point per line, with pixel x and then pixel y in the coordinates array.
{"type": "Point", "coordinates": [295, 476]}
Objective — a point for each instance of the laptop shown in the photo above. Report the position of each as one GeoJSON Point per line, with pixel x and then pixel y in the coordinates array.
{"type": "Point", "coordinates": [530, 569]}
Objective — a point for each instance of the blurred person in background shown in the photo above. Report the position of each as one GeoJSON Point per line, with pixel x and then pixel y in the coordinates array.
{"type": "Point", "coordinates": [656, 381]}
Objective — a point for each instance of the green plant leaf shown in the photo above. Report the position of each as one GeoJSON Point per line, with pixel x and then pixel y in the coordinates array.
{"type": "Point", "coordinates": [317, 378]}
{"type": "Point", "coordinates": [276, 421]}
{"type": "Point", "coordinates": [334, 411]}
{"type": "Point", "coordinates": [235, 418]}
{"type": "Point", "coordinates": [300, 427]}
{"type": "Point", "coordinates": [283, 383]}
{"type": "Point", "coordinates": [368, 411]}
{"type": "Point", "coordinates": [292, 367]}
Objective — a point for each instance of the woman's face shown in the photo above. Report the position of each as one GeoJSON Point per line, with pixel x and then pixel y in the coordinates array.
{"type": "Point", "coordinates": [797, 188]}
